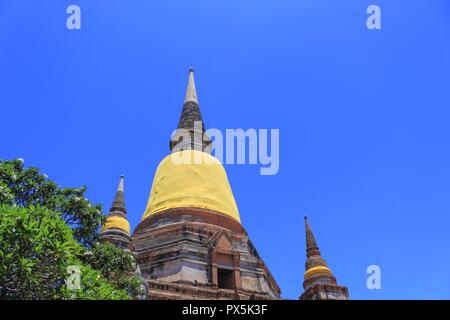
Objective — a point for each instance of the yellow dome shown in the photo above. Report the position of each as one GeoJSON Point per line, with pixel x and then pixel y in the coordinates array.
{"type": "Point", "coordinates": [191, 179]}
{"type": "Point", "coordinates": [117, 223]}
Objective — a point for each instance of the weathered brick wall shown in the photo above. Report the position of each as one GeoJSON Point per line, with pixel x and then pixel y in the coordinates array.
{"type": "Point", "coordinates": [183, 252]}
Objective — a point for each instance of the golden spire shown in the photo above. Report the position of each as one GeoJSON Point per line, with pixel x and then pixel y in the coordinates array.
{"type": "Point", "coordinates": [117, 214]}
{"type": "Point", "coordinates": [315, 264]}
{"type": "Point", "coordinates": [200, 181]}
{"type": "Point", "coordinates": [319, 282]}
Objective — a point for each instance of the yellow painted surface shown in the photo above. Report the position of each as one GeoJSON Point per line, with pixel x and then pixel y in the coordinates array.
{"type": "Point", "coordinates": [191, 179]}
{"type": "Point", "coordinates": [315, 270]}
{"type": "Point", "coordinates": [116, 222]}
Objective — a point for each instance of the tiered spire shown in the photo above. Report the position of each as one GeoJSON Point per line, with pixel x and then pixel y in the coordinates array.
{"type": "Point", "coordinates": [190, 134]}
{"type": "Point", "coordinates": [191, 92]}
{"type": "Point", "coordinates": [118, 204]}
{"type": "Point", "coordinates": [313, 257]}
{"type": "Point", "coordinates": [319, 281]}
{"type": "Point", "coordinates": [117, 228]}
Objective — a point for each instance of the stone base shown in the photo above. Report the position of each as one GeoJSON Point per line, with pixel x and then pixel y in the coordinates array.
{"type": "Point", "coordinates": [200, 254]}
{"type": "Point", "coordinates": [325, 292]}
{"type": "Point", "coordinates": [159, 290]}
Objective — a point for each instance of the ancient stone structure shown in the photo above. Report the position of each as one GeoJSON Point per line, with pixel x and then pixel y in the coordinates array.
{"type": "Point", "coordinates": [117, 228]}
{"type": "Point", "coordinates": [190, 243]}
{"type": "Point", "coordinates": [190, 133]}
{"type": "Point", "coordinates": [199, 253]}
{"type": "Point", "coordinates": [319, 284]}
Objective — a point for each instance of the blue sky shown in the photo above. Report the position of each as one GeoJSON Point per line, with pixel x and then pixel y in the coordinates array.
{"type": "Point", "coordinates": [363, 115]}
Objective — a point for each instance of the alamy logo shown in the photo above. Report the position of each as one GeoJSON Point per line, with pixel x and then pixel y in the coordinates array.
{"type": "Point", "coordinates": [73, 21]}
{"type": "Point", "coordinates": [231, 147]}
{"type": "Point", "coordinates": [73, 280]}
{"type": "Point", "coordinates": [374, 20]}
{"type": "Point", "coordinates": [374, 280]}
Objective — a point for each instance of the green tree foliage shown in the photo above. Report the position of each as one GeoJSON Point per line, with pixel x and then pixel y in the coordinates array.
{"type": "Point", "coordinates": [6, 196]}
{"type": "Point", "coordinates": [28, 187]}
{"type": "Point", "coordinates": [111, 261]}
{"type": "Point", "coordinates": [36, 249]}
{"type": "Point", "coordinates": [44, 229]}
{"type": "Point", "coordinates": [94, 287]}
{"type": "Point", "coordinates": [116, 265]}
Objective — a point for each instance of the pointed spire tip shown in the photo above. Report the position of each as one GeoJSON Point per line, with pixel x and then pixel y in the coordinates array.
{"type": "Point", "coordinates": [119, 203]}
{"type": "Point", "coordinates": [120, 186]}
{"type": "Point", "coordinates": [191, 93]}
